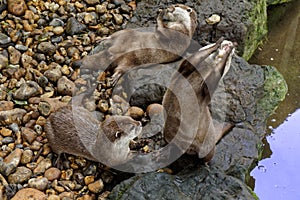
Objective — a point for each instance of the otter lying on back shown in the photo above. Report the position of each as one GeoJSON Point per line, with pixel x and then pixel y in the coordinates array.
{"type": "Point", "coordinates": [127, 49]}
{"type": "Point", "coordinates": [188, 123]}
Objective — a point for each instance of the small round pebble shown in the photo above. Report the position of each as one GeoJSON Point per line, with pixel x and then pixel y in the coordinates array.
{"type": "Point", "coordinates": [29, 193]}
{"type": "Point", "coordinates": [40, 183]}
{"type": "Point", "coordinates": [96, 187]}
{"type": "Point", "coordinates": [52, 173]}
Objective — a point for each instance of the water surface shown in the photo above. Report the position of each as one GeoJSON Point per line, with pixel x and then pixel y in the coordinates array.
{"type": "Point", "coordinates": [277, 176]}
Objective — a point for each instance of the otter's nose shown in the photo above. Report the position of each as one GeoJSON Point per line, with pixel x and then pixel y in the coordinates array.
{"type": "Point", "coordinates": [171, 9]}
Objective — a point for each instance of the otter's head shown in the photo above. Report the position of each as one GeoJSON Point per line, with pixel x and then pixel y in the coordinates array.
{"type": "Point", "coordinates": [180, 14]}
{"type": "Point", "coordinates": [222, 56]}
{"type": "Point", "coordinates": [121, 129]}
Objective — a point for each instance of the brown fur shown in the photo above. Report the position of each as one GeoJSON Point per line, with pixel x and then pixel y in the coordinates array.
{"type": "Point", "coordinates": [130, 48]}
{"type": "Point", "coordinates": [189, 124]}
{"type": "Point", "coordinates": [74, 130]}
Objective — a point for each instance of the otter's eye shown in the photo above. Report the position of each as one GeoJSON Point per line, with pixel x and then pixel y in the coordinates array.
{"type": "Point", "coordinates": [118, 134]}
{"type": "Point", "coordinates": [189, 10]}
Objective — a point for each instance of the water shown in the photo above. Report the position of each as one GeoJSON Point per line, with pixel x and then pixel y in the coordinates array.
{"type": "Point", "coordinates": [277, 175]}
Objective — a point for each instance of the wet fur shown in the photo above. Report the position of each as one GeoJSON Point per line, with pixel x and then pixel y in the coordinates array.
{"type": "Point", "coordinates": [188, 123]}
{"type": "Point", "coordinates": [127, 49]}
{"type": "Point", "coordinates": [76, 131]}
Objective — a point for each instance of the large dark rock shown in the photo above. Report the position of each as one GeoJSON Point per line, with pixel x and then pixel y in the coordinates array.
{"type": "Point", "coordinates": [252, 93]}
{"type": "Point", "coordinates": [242, 21]}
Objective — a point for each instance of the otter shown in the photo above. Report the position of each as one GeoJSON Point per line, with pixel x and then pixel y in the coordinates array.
{"type": "Point", "coordinates": [188, 121]}
{"type": "Point", "coordinates": [127, 49]}
{"type": "Point", "coordinates": [75, 130]}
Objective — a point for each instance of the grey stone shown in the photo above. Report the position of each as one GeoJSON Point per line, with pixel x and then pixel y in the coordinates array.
{"type": "Point", "coordinates": [66, 86]}
{"type": "Point", "coordinates": [3, 5]}
{"type": "Point", "coordinates": [57, 22]}
{"type": "Point", "coordinates": [7, 140]}
{"type": "Point", "coordinates": [27, 90]}
{"type": "Point", "coordinates": [74, 27]}
{"type": "Point", "coordinates": [46, 48]}
{"type": "Point", "coordinates": [53, 74]}
{"type": "Point", "coordinates": [21, 47]}
{"type": "Point", "coordinates": [4, 39]}
{"type": "Point", "coordinates": [21, 175]}
{"type": "Point", "coordinates": [38, 183]}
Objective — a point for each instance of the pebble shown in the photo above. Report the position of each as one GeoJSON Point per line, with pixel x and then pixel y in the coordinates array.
{"type": "Point", "coordinates": [89, 179]}
{"type": "Point", "coordinates": [4, 39]}
{"type": "Point", "coordinates": [11, 162]}
{"type": "Point", "coordinates": [135, 112]}
{"type": "Point", "coordinates": [7, 140]}
{"type": "Point", "coordinates": [125, 9]}
{"type": "Point", "coordinates": [16, 7]}
{"type": "Point", "coordinates": [74, 27]}
{"type": "Point", "coordinates": [21, 47]}
{"type": "Point", "coordinates": [118, 19]}
{"type": "Point", "coordinates": [26, 60]}
{"type": "Point", "coordinates": [101, 9]}
{"type": "Point", "coordinates": [3, 6]}
{"type": "Point", "coordinates": [52, 173]}
{"type": "Point", "coordinates": [103, 105]}
{"type": "Point", "coordinates": [213, 19]}
{"type": "Point", "coordinates": [5, 132]}
{"type": "Point", "coordinates": [53, 74]}
{"type": "Point", "coordinates": [58, 30]}
{"type": "Point", "coordinates": [42, 166]}
{"type": "Point", "coordinates": [41, 121]}
{"type": "Point", "coordinates": [6, 105]}
{"type": "Point", "coordinates": [21, 175]}
{"type": "Point", "coordinates": [35, 146]}
{"type": "Point", "coordinates": [29, 193]}
{"type": "Point", "coordinates": [118, 2]}
{"type": "Point", "coordinates": [57, 22]}
{"type": "Point", "coordinates": [92, 2]}
{"type": "Point", "coordinates": [28, 134]}
{"type": "Point", "coordinates": [12, 116]}
{"type": "Point", "coordinates": [67, 195]}
{"type": "Point", "coordinates": [96, 187]}
{"type": "Point", "coordinates": [26, 156]}
{"type": "Point", "coordinates": [90, 170]}
{"type": "Point", "coordinates": [14, 55]}
{"type": "Point", "coordinates": [66, 86]}
{"type": "Point", "coordinates": [153, 109]}
{"type": "Point", "coordinates": [90, 18]}
{"type": "Point", "coordinates": [14, 127]}
{"type": "Point", "coordinates": [46, 48]}
{"type": "Point", "coordinates": [67, 184]}
{"type": "Point", "coordinates": [27, 90]}
{"type": "Point", "coordinates": [53, 197]}
{"type": "Point", "coordinates": [39, 183]}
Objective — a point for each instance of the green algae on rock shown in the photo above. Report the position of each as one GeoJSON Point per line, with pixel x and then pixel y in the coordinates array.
{"type": "Point", "coordinates": [275, 89]}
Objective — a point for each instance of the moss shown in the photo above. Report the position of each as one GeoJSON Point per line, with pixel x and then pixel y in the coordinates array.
{"type": "Point", "coordinates": [253, 194]}
{"type": "Point", "coordinates": [275, 89]}
{"type": "Point", "coordinates": [274, 2]}
{"type": "Point", "coordinates": [258, 29]}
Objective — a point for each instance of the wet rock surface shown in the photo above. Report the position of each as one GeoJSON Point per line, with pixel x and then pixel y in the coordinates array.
{"type": "Point", "coordinates": [237, 20]}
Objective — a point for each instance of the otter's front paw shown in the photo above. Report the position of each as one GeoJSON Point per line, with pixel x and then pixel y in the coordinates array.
{"type": "Point", "coordinates": [161, 13]}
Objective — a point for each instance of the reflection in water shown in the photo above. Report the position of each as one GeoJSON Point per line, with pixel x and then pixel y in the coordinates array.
{"type": "Point", "coordinates": [277, 176]}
